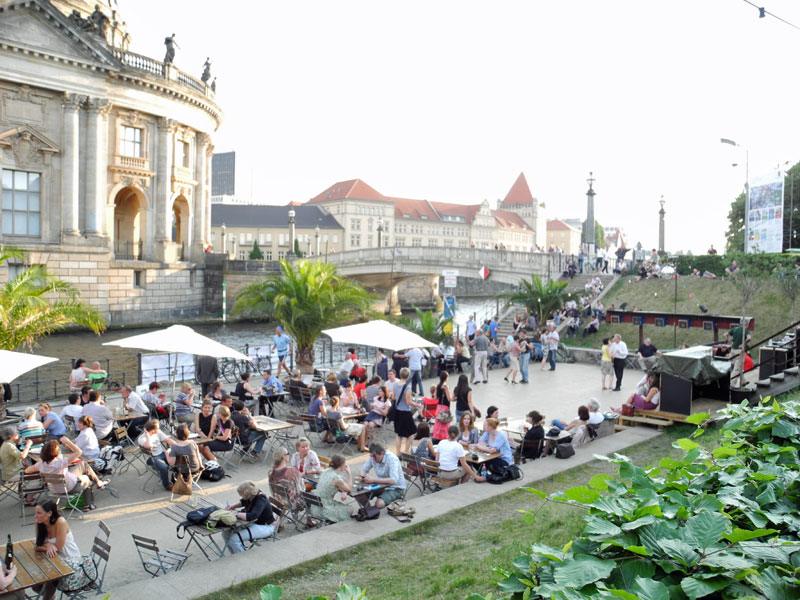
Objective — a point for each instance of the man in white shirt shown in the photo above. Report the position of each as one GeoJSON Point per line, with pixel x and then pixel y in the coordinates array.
{"type": "Point", "coordinates": [414, 356]}
{"type": "Point", "coordinates": [595, 416]}
{"type": "Point", "coordinates": [73, 409]}
{"type": "Point", "coordinates": [471, 325]}
{"type": "Point", "coordinates": [134, 404]}
{"type": "Point", "coordinates": [153, 439]}
{"type": "Point", "coordinates": [101, 415]}
{"type": "Point", "coordinates": [619, 354]}
{"type": "Point", "coordinates": [347, 367]}
{"type": "Point", "coordinates": [552, 339]}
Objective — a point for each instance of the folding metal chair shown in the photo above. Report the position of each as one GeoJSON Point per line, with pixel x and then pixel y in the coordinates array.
{"type": "Point", "coordinates": [312, 426]}
{"type": "Point", "coordinates": [183, 467]}
{"type": "Point", "coordinates": [57, 487]}
{"type": "Point", "coordinates": [24, 485]}
{"type": "Point", "coordinates": [281, 494]}
{"type": "Point", "coordinates": [340, 438]}
{"type": "Point", "coordinates": [433, 479]}
{"type": "Point", "coordinates": [308, 516]}
{"type": "Point", "coordinates": [416, 472]}
{"type": "Point", "coordinates": [156, 561]}
{"type": "Point", "coordinates": [134, 457]}
{"type": "Point", "coordinates": [225, 457]}
{"type": "Point", "coordinates": [150, 470]}
{"type": "Point", "coordinates": [101, 550]}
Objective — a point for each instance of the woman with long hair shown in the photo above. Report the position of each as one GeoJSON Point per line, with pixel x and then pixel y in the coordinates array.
{"type": "Point", "coordinates": [443, 394]}
{"type": "Point", "coordinates": [463, 396]}
{"type": "Point", "coordinates": [54, 538]}
{"type": "Point", "coordinates": [205, 422]}
{"type": "Point", "coordinates": [468, 433]}
{"type": "Point", "coordinates": [223, 435]}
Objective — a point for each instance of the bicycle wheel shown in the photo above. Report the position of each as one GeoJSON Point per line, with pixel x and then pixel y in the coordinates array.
{"type": "Point", "coordinates": [228, 371]}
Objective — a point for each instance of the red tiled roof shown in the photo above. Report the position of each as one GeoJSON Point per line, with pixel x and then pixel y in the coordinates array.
{"type": "Point", "coordinates": [559, 225]}
{"type": "Point", "coordinates": [415, 209]}
{"type": "Point", "coordinates": [510, 220]}
{"type": "Point", "coordinates": [468, 211]}
{"type": "Point", "coordinates": [352, 188]}
{"type": "Point", "coordinates": [519, 194]}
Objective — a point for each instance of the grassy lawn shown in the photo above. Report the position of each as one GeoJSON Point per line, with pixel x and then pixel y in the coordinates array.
{"type": "Point", "coordinates": [772, 311]}
{"type": "Point", "coordinates": [450, 557]}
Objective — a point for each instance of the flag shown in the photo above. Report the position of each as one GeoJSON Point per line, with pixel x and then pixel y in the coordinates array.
{"type": "Point", "coordinates": [484, 272]}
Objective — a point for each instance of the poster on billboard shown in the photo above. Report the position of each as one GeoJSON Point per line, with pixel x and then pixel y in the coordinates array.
{"type": "Point", "coordinates": [764, 232]}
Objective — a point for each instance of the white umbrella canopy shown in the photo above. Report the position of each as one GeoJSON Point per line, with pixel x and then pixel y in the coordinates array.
{"type": "Point", "coordinates": [14, 364]}
{"type": "Point", "coordinates": [178, 339]}
{"type": "Point", "coordinates": [381, 334]}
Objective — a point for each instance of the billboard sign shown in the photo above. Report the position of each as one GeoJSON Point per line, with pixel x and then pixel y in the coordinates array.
{"type": "Point", "coordinates": [764, 214]}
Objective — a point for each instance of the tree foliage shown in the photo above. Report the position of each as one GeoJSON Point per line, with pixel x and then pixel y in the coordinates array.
{"type": "Point", "coordinates": [306, 298]}
{"type": "Point", "coordinates": [429, 325]}
{"type": "Point", "coordinates": [734, 237]}
{"type": "Point", "coordinates": [255, 253]}
{"type": "Point", "coordinates": [297, 252]}
{"type": "Point", "coordinates": [599, 236]}
{"type": "Point", "coordinates": [36, 303]}
{"type": "Point", "coordinates": [539, 298]}
{"type": "Point", "coordinates": [717, 524]}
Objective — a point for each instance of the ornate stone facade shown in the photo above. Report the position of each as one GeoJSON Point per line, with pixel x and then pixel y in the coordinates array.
{"type": "Point", "coordinates": [105, 157]}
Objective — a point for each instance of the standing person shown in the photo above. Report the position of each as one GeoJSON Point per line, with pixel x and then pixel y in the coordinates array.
{"type": "Point", "coordinates": [283, 345]}
{"type": "Point", "coordinates": [471, 327]}
{"type": "Point", "coordinates": [414, 356]}
{"type": "Point", "coordinates": [524, 355]}
{"type": "Point", "coordinates": [513, 357]}
{"type": "Point", "coordinates": [257, 511]}
{"type": "Point", "coordinates": [381, 365]}
{"type": "Point", "coordinates": [493, 328]}
{"type": "Point", "coordinates": [463, 397]}
{"type": "Point", "coordinates": [206, 371]}
{"type": "Point", "coordinates": [481, 360]}
{"type": "Point", "coordinates": [552, 340]}
{"type": "Point", "coordinates": [399, 361]}
{"type": "Point", "coordinates": [443, 394]}
{"type": "Point", "coordinates": [404, 421]}
{"type": "Point", "coordinates": [606, 367]}
{"type": "Point", "coordinates": [619, 354]}
{"type": "Point", "coordinates": [581, 258]}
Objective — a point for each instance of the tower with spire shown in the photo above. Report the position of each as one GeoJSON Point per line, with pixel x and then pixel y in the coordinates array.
{"type": "Point", "coordinates": [661, 214]}
{"type": "Point", "coordinates": [588, 230]}
{"type": "Point", "coordinates": [520, 201]}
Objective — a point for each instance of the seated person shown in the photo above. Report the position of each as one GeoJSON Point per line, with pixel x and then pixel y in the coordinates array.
{"type": "Point", "coordinates": [388, 472]}
{"type": "Point", "coordinates": [647, 355]}
{"type": "Point", "coordinates": [244, 391]}
{"type": "Point", "coordinates": [348, 401]}
{"type": "Point", "coordinates": [227, 402]}
{"type": "Point", "coordinates": [30, 426]}
{"type": "Point", "coordinates": [73, 408]}
{"type": "Point", "coordinates": [183, 446]}
{"type": "Point", "coordinates": [495, 441]}
{"type": "Point", "coordinates": [205, 423]}
{"type": "Point", "coordinates": [215, 392]}
{"type": "Point", "coordinates": [642, 274]}
{"type": "Point", "coordinates": [305, 459]}
{"type": "Point", "coordinates": [572, 327]}
{"type": "Point", "coordinates": [223, 434]}
{"type": "Point", "coordinates": [491, 413]}
{"type": "Point", "coordinates": [271, 384]}
{"type": "Point", "coordinates": [132, 402]}
{"type": "Point", "coordinates": [7, 577]}
{"type": "Point", "coordinates": [317, 409]}
{"type": "Point", "coordinates": [577, 427]}
{"type": "Point", "coordinates": [87, 439]}
{"type": "Point", "coordinates": [532, 444]}
{"type": "Point", "coordinates": [468, 434]}
{"type": "Point", "coordinates": [248, 430]}
{"type": "Point", "coordinates": [333, 489]}
{"type": "Point", "coordinates": [101, 415]}
{"type": "Point", "coordinates": [296, 384]}
{"type": "Point", "coordinates": [78, 478]}
{"type": "Point", "coordinates": [11, 456]}
{"type": "Point", "coordinates": [80, 374]}
{"type": "Point", "coordinates": [289, 478]}
{"type": "Point", "coordinates": [153, 440]}
{"type": "Point", "coordinates": [648, 402]}
{"type": "Point", "coordinates": [155, 401]}
{"type": "Point", "coordinates": [452, 462]}
{"type": "Point", "coordinates": [733, 268]}
{"type": "Point", "coordinates": [592, 327]}
{"type": "Point", "coordinates": [378, 409]}
{"type": "Point", "coordinates": [332, 387]}
{"type": "Point", "coordinates": [51, 422]}
{"type": "Point", "coordinates": [463, 355]}
{"type": "Point", "coordinates": [183, 403]}
{"type": "Point", "coordinates": [425, 447]}
{"type": "Point", "coordinates": [257, 511]}
{"type": "Point", "coordinates": [357, 430]}
{"type": "Point", "coordinates": [270, 388]}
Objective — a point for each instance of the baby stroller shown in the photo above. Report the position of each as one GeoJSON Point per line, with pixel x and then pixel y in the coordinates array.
{"type": "Point", "coordinates": [429, 406]}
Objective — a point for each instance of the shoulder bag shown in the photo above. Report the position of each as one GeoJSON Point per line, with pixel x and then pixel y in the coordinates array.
{"type": "Point", "coordinates": [392, 414]}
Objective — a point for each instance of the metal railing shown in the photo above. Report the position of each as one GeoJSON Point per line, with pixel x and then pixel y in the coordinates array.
{"type": "Point", "coordinates": [128, 250]}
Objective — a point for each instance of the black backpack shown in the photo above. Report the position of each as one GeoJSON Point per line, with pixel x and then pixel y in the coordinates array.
{"type": "Point", "coordinates": [194, 517]}
{"type": "Point", "coordinates": [213, 474]}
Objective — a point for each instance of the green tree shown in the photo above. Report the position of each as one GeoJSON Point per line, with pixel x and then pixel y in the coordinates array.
{"type": "Point", "coordinates": [599, 236]}
{"type": "Point", "coordinates": [35, 304]}
{"type": "Point", "coordinates": [791, 208]}
{"type": "Point", "coordinates": [297, 252]}
{"type": "Point", "coordinates": [255, 253]}
{"type": "Point", "coordinates": [305, 299]}
{"type": "Point", "coordinates": [540, 299]}
{"type": "Point", "coordinates": [735, 235]}
{"type": "Point", "coordinates": [429, 325]}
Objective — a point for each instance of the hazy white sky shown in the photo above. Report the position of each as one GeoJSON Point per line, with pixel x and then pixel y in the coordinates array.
{"type": "Point", "coordinates": [449, 101]}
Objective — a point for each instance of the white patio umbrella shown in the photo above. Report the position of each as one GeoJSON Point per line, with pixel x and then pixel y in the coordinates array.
{"type": "Point", "coordinates": [178, 339]}
{"type": "Point", "coordinates": [14, 364]}
{"type": "Point", "coordinates": [381, 334]}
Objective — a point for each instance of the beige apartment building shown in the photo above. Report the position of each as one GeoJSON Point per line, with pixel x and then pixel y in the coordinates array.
{"type": "Point", "coordinates": [563, 236]}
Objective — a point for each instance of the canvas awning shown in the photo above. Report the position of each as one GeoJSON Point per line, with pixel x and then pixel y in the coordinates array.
{"type": "Point", "coordinates": [14, 364]}
{"type": "Point", "coordinates": [380, 334]}
{"type": "Point", "coordinates": [178, 339]}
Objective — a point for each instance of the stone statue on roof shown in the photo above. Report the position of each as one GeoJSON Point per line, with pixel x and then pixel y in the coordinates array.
{"type": "Point", "coordinates": [100, 21]}
{"type": "Point", "coordinates": [171, 44]}
{"type": "Point", "coordinates": [214, 85]}
{"type": "Point", "coordinates": [206, 71]}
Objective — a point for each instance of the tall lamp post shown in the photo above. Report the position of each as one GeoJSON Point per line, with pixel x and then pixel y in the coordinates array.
{"type": "Point", "coordinates": [316, 240]}
{"type": "Point", "coordinates": [291, 231]}
{"type": "Point", "coordinates": [746, 184]}
{"type": "Point", "coordinates": [380, 232]}
{"type": "Point", "coordinates": [224, 247]}
{"type": "Point", "coordinates": [233, 243]}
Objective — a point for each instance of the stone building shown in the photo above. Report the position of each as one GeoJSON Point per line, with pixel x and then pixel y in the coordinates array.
{"type": "Point", "coordinates": [520, 201]}
{"type": "Point", "coordinates": [105, 160]}
{"type": "Point", "coordinates": [564, 237]}
{"type": "Point", "coordinates": [362, 211]}
{"type": "Point", "coordinates": [269, 227]}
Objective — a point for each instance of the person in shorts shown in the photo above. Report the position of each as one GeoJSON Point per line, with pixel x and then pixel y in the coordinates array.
{"type": "Point", "coordinates": [388, 472]}
{"type": "Point", "coordinates": [283, 345]}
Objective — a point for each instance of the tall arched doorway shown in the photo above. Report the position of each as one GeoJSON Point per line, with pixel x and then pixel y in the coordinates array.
{"type": "Point", "coordinates": [129, 224]}
{"type": "Point", "coordinates": [180, 225]}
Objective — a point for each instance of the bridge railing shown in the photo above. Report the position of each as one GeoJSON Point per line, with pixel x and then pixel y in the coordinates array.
{"type": "Point", "coordinates": [551, 265]}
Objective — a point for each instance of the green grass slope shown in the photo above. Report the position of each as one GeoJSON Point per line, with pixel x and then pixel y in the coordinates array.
{"type": "Point", "coordinates": [770, 308]}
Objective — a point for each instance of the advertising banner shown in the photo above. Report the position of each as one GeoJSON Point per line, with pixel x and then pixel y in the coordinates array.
{"type": "Point", "coordinates": [764, 214]}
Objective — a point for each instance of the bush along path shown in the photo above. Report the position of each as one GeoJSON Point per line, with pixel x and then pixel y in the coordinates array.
{"type": "Point", "coordinates": [719, 524]}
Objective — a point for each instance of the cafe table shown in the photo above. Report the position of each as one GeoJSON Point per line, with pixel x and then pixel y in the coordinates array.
{"type": "Point", "coordinates": [478, 458]}
{"type": "Point", "coordinates": [364, 492]}
{"type": "Point", "coordinates": [35, 568]}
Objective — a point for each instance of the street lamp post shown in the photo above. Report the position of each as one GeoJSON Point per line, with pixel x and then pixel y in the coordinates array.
{"type": "Point", "coordinates": [380, 232]}
{"type": "Point", "coordinates": [224, 247]}
{"type": "Point", "coordinates": [291, 230]}
{"type": "Point", "coordinates": [316, 240]}
{"type": "Point", "coordinates": [746, 184]}
{"type": "Point", "coordinates": [233, 243]}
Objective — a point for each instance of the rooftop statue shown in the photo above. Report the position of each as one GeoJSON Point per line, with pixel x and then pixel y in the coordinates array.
{"type": "Point", "coordinates": [206, 71]}
{"type": "Point", "coordinates": [171, 44]}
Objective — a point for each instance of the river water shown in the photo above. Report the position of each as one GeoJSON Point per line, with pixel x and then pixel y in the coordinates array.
{"type": "Point", "coordinates": [122, 363]}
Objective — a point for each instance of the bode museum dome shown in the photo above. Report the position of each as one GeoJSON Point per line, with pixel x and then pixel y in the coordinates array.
{"type": "Point", "coordinates": [106, 159]}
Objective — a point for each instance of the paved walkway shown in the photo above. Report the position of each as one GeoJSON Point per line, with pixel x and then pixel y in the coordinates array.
{"type": "Point", "coordinates": [555, 394]}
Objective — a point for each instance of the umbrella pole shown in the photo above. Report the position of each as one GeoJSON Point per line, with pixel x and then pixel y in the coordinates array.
{"type": "Point", "coordinates": [172, 400]}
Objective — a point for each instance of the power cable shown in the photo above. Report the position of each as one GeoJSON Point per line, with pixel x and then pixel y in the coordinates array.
{"type": "Point", "coordinates": [762, 12]}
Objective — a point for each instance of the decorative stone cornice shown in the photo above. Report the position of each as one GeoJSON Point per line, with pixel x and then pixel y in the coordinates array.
{"type": "Point", "coordinates": [72, 102]}
{"type": "Point", "coordinates": [100, 106]}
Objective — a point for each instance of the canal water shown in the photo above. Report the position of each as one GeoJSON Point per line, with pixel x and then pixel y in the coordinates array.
{"type": "Point", "coordinates": [51, 380]}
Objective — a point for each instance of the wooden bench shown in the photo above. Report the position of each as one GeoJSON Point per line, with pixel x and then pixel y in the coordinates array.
{"type": "Point", "coordinates": [646, 421]}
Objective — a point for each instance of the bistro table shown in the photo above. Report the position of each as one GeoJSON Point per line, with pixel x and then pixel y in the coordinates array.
{"type": "Point", "coordinates": [364, 492]}
{"type": "Point", "coordinates": [482, 457]}
{"type": "Point", "coordinates": [35, 568]}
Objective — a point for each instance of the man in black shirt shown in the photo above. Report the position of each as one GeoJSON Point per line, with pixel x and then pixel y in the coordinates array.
{"type": "Point", "coordinates": [647, 356]}
{"type": "Point", "coordinates": [248, 429]}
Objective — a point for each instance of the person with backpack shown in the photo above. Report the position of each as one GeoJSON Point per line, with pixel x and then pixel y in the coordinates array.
{"type": "Point", "coordinates": [257, 511]}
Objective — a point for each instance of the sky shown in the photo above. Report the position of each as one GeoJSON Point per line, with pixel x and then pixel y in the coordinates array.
{"type": "Point", "coordinates": [449, 101]}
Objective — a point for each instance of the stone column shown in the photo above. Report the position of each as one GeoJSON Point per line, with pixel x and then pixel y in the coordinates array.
{"type": "Point", "coordinates": [70, 166]}
{"type": "Point", "coordinates": [589, 234]}
{"type": "Point", "coordinates": [199, 239]}
{"type": "Point", "coordinates": [661, 214]}
{"type": "Point", "coordinates": [97, 109]}
{"type": "Point", "coordinates": [163, 191]}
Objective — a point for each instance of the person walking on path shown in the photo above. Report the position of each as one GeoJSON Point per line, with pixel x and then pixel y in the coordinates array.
{"type": "Point", "coordinates": [471, 326]}
{"type": "Point", "coordinates": [619, 354]}
{"type": "Point", "coordinates": [513, 355]}
{"type": "Point", "coordinates": [481, 360]}
{"type": "Point", "coordinates": [206, 371]}
{"type": "Point", "coordinates": [606, 366]}
{"type": "Point", "coordinates": [552, 339]}
{"type": "Point", "coordinates": [524, 355]}
{"type": "Point", "coordinates": [283, 345]}
{"type": "Point", "coordinates": [414, 356]}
